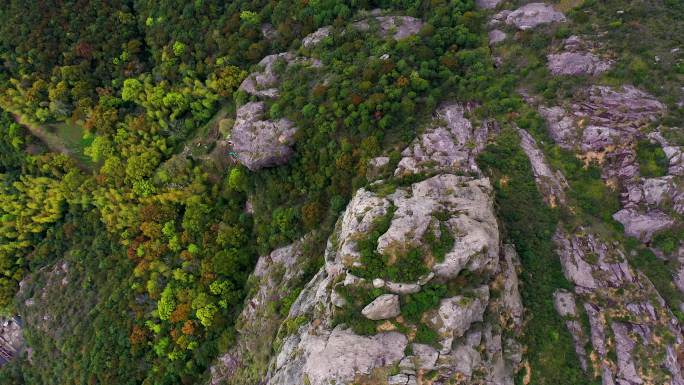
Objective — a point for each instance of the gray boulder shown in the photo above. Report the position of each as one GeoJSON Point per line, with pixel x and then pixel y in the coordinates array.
{"type": "Point", "coordinates": [261, 143]}
{"type": "Point", "coordinates": [496, 36]}
{"type": "Point", "coordinates": [384, 307]}
{"type": "Point", "coordinates": [643, 225]}
{"type": "Point", "coordinates": [425, 356]}
{"type": "Point", "coordinates": [376, 167]}
{"type": "Point", "coordinates": [398, 379]}
{"type": "Point", "coordinates": [534, 14]}
{"type": "Point", "coordinates": [402, 288]}
{"type": "Point", "coordinates": [564, 302]}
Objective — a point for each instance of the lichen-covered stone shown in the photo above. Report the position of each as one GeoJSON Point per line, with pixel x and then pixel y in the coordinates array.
{"type": "Point", "coordinates": [384, 307]}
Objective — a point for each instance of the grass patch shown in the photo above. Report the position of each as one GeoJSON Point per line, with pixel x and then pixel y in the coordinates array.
{"type": "Point", "coordinates": [652, 159]}
{"type": "Point", "coordinates": [414, 305]}
{"type": "Point", "coordinates": [442, 245]}
{"type": "Point", "coordinates": [350, 314]}
{"type": "Point", "coordinates": [406, 267]}
{"type": "Point", "coordinates": [530, 225]}
{"type": "Point", "coordinates": [658, 271]}
{"type": "Point", "coordinates": [668, 240]}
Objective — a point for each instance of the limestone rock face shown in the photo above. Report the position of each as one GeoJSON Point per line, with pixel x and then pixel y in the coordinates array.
{"type": "Point", "coordinates": [577, 57]}
{"type": "Point", "coordinates": [534, 14]}
{"type": "Point", "coordinates": [564, 301]}
{"type": "Point", "coordinates": [346, 354]}
{"type": "Point", "coordinates": [605, 270]}
{"type": "Point", "coordinates": [562, 127]}
{"type": "Point", "coordinates": [470, 342]}
{"type": "Point", "coordinates": [261, 143]}
{"type": "Point", "coordinates": [377, 166]}
{"type": "Point", "coordinates": [469, 205]}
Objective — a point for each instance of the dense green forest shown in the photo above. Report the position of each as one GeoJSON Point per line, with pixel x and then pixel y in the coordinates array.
{"type": "Point", "coordinates": [109, 110]}
{"type": "Point", "coordinates": [134, 81]}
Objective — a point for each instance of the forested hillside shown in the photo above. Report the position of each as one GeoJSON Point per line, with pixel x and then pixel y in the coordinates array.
{"type": "Point", "coordinates": [323, 192]}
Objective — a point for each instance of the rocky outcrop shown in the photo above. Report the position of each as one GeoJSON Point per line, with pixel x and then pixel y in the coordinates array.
{"type": "Point", "coordinates": [316, 37]}
{"type": "Point", "coordinates": [450, 144]}
{"type": "Point", "coordinates": [602, 117]}
{"type": "Point", "coordinates": [397, 27]}
{"type": "Point", "coordinates": [577, 63]}
{"type": "Point", "coordinates": [336, 357]}
{"type": "Point", "coordinates": [455, 315]}
{"type": "Point", "coordinates": [628, 319]}
{"type": "Point", "coordinates": [377, 167]}
{"type": "Point", "coordinates": [496, 36]}
{"type": "Point", "coordinates": [552, 184]}
{"type": "Point", "coordinates": [576, 59]}
{"type": "Point", "coordinates": [466, 202]}
{"type": "Point", "coordinates": [603, 126]}
{"type": "Point", "coordinates": [259, 142]}
{"type": "Point", "coordinates": [564, 303]}
{"type": "Point", "coordinates": [562, 126]}
{"type": "Point", "coordinates": [264, 83]}
{"type": "Point", "coordinates": [675, 154]}
{"type": "Point", "coordinates": [532, 15]}
{"type": "Point", "coordinates": [599, 271]}
{"type": "Point", "coordinates": [469, 342]}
